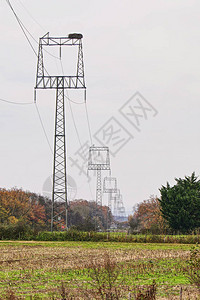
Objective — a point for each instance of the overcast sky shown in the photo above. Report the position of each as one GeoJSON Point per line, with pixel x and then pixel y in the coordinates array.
{"type": "Point", "coordinates": [149, 46]}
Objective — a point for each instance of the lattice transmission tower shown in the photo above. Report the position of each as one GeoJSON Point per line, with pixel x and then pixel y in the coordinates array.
{"type": "Point", "coordinates": [115, 198]}
{"type": "Point", "coordinates": [60, 83]}
{"type": "Point", "coordinates": [99, 160]}
{"type": "Point", "coordinates": [110, 187]}
{"type": "Point", "coordinates": [118, 207]}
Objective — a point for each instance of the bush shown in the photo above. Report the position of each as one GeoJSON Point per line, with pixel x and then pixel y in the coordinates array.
{"type": "Point", "coordinates": [149, 293]}
{"type": "Point", "coordinates": [193, 269]}
{"type": "Point", "coordinates": [22, 231]}
{"type": "Point", "coordinates": [17, 231]}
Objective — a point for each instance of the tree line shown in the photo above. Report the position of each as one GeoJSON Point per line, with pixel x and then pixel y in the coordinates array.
{"type": "Point", "coordinates": [34, 211]}
{"type": "Point", "coordinates": [177, 210]}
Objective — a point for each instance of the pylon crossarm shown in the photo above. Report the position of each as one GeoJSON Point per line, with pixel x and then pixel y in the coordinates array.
{"type": "Point", "coordinates": [50, 82]}
{"type": "Point", "coordinates": [59, 41]}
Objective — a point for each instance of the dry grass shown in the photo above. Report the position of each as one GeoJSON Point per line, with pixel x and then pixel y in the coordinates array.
{"type": "Point", "coordinates": [39, 257]}
{"type": "Point", "coordinates": [44, 272]}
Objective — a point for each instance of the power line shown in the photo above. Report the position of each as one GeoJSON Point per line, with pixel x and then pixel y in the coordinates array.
{"type": "Point", "coordinates": [40, 118]}
{"type": "Point", "coordinates": [87, 116]}
{"type": "Point", "coordinates": [28, 103]}
{"type": "Point", "coordinates": [42, 124]}
{"type": "Point", "coordinates": [24, 30]}
{"type": "Point", "coordinates": [91, 193]}
{"type": "Point", "coordinates": [30, 15]}
{"type": "Point", "coordinates": [62, 68]}
{"type": "Point", "coordinates": [73, 119]}
{"type": "Point", "coordinates": [21, 26]}
{"type": "Point", "coordinates": [81, 146]}
{"type": "Point", "coordinates": [75, 101]}
{"type": "Point", "coordinates": [17, 103]}
{"type": "Point", "coordinates": [61, 65]}
{"type": "Point", "coordinates": [76, 129]}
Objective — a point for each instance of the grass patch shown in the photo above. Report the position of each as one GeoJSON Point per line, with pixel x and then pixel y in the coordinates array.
{"type": "Point", "coordinates": [96, 245]}
{"type": "Point", "coordinates": [40, 268]}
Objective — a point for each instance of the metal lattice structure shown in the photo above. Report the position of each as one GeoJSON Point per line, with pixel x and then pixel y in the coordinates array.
{"type": "Point", "coordinates": [99, 160]}
{"type": "Point", "coordinates": [118, 207]}
{"type": "Point", "coordinates": [110, 187]}
{"type": "Point", "coordinates": [59, 83]}
{"type": "Point", "coordinates": [46, 81]}
{"type": "Point", "coordinates": [116, 194]}
{"type": "Point", "coordinates": [115, 198]}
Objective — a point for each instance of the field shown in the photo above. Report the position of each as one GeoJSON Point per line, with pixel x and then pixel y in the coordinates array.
{"type": "Point", "coordinates": [87, 270]}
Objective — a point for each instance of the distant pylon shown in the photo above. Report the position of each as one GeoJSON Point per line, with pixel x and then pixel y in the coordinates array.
{"type": "Point", "coordinates": [118, 206]}
{"type": "Point", "coordinates": [114, 197]}
{"type": "Point", "coordinates": [99, 160]}
{"type": "Point", "coordinates": [110, 187]}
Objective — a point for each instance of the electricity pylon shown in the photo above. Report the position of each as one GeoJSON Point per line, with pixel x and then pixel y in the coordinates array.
{"type": "Point", "coordinates": [115, 198]}
{"type": "Point", "coordinates": [59, 83]}
{"type": "Point", "coordinates": [110, 187]}
{"type": "Point", "coordinates": [99, 160]}
{"type": "Point", "coordinates": [118, 209]}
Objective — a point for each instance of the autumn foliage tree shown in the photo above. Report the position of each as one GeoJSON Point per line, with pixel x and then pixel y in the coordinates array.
{"type": "Point", "coordinates": [85, 215]}
{"type": "Point", "coordinates": [17, 205]}
{"type": "Point", "coordinates": [147, 217]}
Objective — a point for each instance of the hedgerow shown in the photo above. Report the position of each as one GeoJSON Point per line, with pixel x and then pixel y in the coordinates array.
{"type": "Point", "coordinates": [21, 231]}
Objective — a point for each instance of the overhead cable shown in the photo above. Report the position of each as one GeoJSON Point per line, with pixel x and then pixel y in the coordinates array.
{"type": "Point", "coordinates": [24, 30]}
{"type": "Point", "coordinates": [43, 128]}
{"type": "Point", "coordinates": [88, 122]}
{"type": "Point", "coordinates": [21, 26]}
{"type": "Point", "coordinates": [18, 103]}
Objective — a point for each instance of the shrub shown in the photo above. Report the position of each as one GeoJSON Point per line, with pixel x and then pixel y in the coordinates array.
{"type": "Point", "coordinates": [17, 231]}
{"type": "Point", "coordinates": [148, 293]}
{"type": "Point", "coordinates": [193, 269]}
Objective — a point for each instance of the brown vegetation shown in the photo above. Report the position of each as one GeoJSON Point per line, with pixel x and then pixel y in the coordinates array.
{"type": "Point", "coordinates": [147, 217]}
{"type": "Point", "coordinates": [98, 273]}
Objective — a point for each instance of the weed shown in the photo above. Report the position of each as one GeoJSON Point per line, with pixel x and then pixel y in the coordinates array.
{"type": "Point", "coordinates": [65, 293]}
{"type": "Point", "coordinates": [105, 277]}
{"type": "Point", "coordinates": [88, 270]}
{"type": "Point", "coordinates": [148, 293]}
{"type": "Point", "coordinates": [193, 268]}
{"type": "Point", "coordinates": [10, 295]}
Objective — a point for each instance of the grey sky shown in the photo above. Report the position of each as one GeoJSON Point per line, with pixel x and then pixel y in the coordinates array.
{"type": "Point", "coordinates": [147, 46]}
